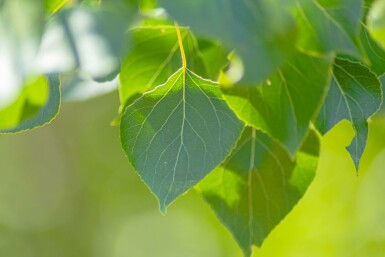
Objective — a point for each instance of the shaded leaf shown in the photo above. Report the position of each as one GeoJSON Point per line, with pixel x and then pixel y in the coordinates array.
{"type": "Point", "coordinates": [258, 185]}
{"type": "Point", "coordinates": [285, 104]}
{"type": "Point", "coordinates": [261, 32]}
{"type": "Point", "coordinates": [41, 115]}
{"type": "Point", "coordinates": [177, 133]}
{"type": "Point", "coordinates": [329, 25]}
{"type": "Point", "coordinates": [374, 52]}
{"type": "Point", "coordinates": [355, 94]}
{"type": "Point", "coordinates": [214, 58]}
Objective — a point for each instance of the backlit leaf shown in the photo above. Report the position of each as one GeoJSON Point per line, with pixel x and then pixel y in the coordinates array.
{"type": "Point", "coordinates": [177, 133]}
{"type": "Point", "coordinates": [258, 185]}
{"type": "Point", "coordinates": [153, 57]}
{"type": "Point", "coordinates": [376, 21]}
{"type": "Point", "coordinates": [374, 52]}
{"type": "Point", "coordinates": [29, 113]}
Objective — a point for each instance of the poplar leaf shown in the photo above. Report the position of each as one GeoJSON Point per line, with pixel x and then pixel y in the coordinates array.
{"type": "Point", "coordinates": [284, 105]}
{"type": "Point", "coordinates": [374, 52]}
{"type": "Point", "coordinates": [153, 57]}
{"type": "Point", "coordinates": [329, 25]}
{"type": "Point", "coordinates": [355, 95]}
{"type": "Point", "coordinates": [258, 185]}
{"type": "Point", "coordinates": [261, 32]}
{"type": "Point", "coordinates": [177, 133]}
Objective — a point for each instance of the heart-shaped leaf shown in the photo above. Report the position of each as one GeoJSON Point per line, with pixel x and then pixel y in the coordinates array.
{"type": "Point", "coordinates": [177, 133]}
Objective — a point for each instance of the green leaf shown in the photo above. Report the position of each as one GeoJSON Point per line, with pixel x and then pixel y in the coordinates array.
{"type": "Point", "coordinates": [261, 32]}
{"type": "Point", "coordinates": [355, 94]}
{"type": "Point", "coordinates": [374, 52]}
{"type": "Point", "coordinates": [258, 185]}
{"type": "Point", "coordinates": [177, 133]}
{"type": "Point", "coordinates": [53, 6]}
{"type": "Point", "coordinates": [285, 104]}
{"type": "Point", "coordinates": [41, 115]}
{"type": "Point", "coordinates": [329, 25]}
{"type": "Point", "coordinates": [153, 57]}
{"type": "Point", "coordinates": [214, 58]}
{"type": "Point", "coordinates": [382, 80]}
{"type": "Point", "coordinates": [146, 5]}
{"type": "Point", "coordinates": [376, 21]}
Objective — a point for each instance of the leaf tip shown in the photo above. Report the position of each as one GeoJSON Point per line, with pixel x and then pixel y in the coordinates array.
{"type": "Point", "coordinates": [163, 207]}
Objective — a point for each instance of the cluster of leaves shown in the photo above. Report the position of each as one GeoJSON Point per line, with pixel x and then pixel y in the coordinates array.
{"type": "Point", "coordinates": [230, 103]}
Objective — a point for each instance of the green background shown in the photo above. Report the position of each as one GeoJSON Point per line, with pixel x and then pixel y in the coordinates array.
{"type": "Point", "coordinates": [67, 190]}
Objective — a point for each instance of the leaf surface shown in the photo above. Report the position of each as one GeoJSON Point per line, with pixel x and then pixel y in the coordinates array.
{"type": "Point", "coordinates": [285, 104]}
{"type": "Point", "coordinates": [374, 52]}
{"type": "Point", "coordinates": [376, 21]}
{"type": "Point", "coordinates": [177, 133]}
{"type": "Point", "coordinates": [329, 25]}
{"type": "Point", "coordinates": [153, 57]}
{"type": "Point", "coordinates": [41, 114]}
{"type": "Point", "coordinates": [258, 185]}
{"type": "Point", "coordinates": [355, 95]}
{"type": "Point", "coordinates": [261, 32]}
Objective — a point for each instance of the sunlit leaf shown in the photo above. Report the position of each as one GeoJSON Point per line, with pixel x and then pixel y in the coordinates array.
{"type": "Point", "coordinates": [285, 104]}
{"type": "Point", "coordinates": [261, 32]}
{"type": "Point", "coordinates": [53, 6]}
{"type": "Point", "coordinates": [177, 133]}
{"type": "Point", "coordinates": [258, 185]}
{"type": "Point", "coordinates": [153, 57]}
{"type": "Point", "coordinates": [34, 110]}
{"type": "Point", "coordinates": [355, 94]}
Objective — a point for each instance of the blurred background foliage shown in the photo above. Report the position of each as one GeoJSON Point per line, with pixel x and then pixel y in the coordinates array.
{"type": "Point", "coordinates": [67, 190]}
